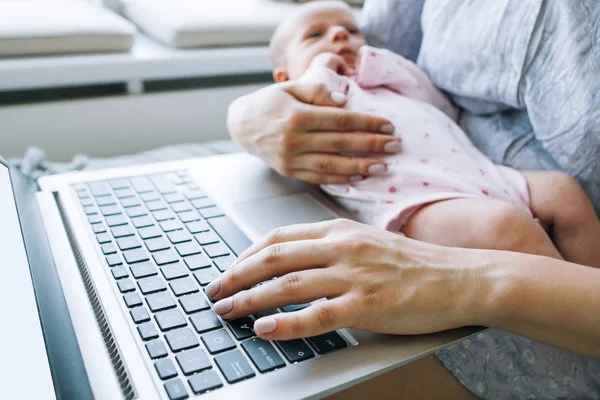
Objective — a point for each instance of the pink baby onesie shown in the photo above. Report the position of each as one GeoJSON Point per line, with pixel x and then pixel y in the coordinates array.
{"type": "Point", "coordinates": [438, 162]}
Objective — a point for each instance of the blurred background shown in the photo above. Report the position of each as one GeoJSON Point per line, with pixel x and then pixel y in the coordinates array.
{"type": "Point", "coordinates": [114, 77]}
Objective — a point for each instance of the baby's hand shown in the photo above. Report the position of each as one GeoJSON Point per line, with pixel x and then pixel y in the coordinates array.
{"type": "Point", "coordinates": [334, 62]}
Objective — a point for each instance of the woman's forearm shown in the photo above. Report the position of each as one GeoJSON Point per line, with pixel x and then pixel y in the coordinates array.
{"type": "Point", "coordinates": [544, 299]}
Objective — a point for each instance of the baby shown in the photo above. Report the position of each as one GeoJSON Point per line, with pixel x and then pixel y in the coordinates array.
{"type": "Point", "coordinates": [440, 188]}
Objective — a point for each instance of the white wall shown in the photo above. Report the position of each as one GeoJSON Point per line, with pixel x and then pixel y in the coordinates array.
{"type": "Point", "coordinates": [117, 125]}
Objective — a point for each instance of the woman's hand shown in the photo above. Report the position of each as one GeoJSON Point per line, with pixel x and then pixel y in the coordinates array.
{"type": "Point", "coordinates": [373, 279]}
{"type": "Point", "coordinates": [301, 132]}
{"type": "Point", "coordinates": [334, 62]}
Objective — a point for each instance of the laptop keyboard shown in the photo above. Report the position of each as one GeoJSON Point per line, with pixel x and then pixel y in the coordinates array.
{"type": "Point", "coordinates": [164, 240]}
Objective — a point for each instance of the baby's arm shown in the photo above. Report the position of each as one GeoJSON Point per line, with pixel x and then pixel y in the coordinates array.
{"type": "Point", "coordinates": [381, 67]}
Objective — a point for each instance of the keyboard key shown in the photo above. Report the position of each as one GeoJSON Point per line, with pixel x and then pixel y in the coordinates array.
{"type": "Point", "coordinates": [174, 197]}
{"type": "Point", "coordinates": [165, 368]}
{"type": "Point", "coordinates": [295, 350]}
{"type": "Point", "coordinates": [103, 238]}
{"type": "Point", "coordinates": [160, 301]}
{"type": "Point", "coordinates": [106, 201]}
{"type": "Point", "coordinates": [119, 184]}
{"type": "Point", "coordinates": [263, 355]}
{"type": "Point", "coordinates": [130, 201]}
{"type": "Point", "coordinates": [193, 361]}
{"type": "Point", "coordinates": [179, 236]}
{"type": "Point", "coordinates": [120, 272]}
{"type": "Point", "coordinates": [122, 231]}
{"type": "Point", "coordinates": [87, 202]}
{"type": "Point", "coordinates": [181, 206]}
{"type": "Point", "coordinates": [149, 232]}
{"type": "Point", "coordinates": [211, 212]}
{"type": "Point", "coordinates": [163, 215]}
{"type": "Point", "coordinates": [132, 300]}
{"type": "Point", "coordinates": [265, 313]}
{"type": "Point", "coordinates": [327, 342]}
{"type": "Point", "coordinates": [197, 261]}
{"type": "Point", "coordinates": [181, 339]}
{"type": "Point", "coordinates": [147, 331]}
{"type": "Point", "coordinates": [170, 225]}
{"type": "Point", "coordinates": [110, 210]}
{"type": "Point", "coordinates": [208, 380]}
{"type": "Point", "coordinates": [135, 211]}
{"type": "Point", "coordinates": [205, 321]}
{"type": "Point", "coordinates": [188, 248]}
{"type": "Point", "coordinates": [203, 203]}
{"type": "Point", "coordinates": [223, 263]}
{"type": "Point", "coordinates": [142, 222]}
{"type": "Point", "coordinates": [165, 257]}
{"type": "Point", "coordinates": [183, 286]}
{"type": "Point", "coordinates": [116, 220]}
{"type": "Point", "coordinates": [234, 366]}
{"type": "Point", "coordinates": [94, 219]}
{"type": "Point", "coordinates": [113, 260]}
{"type": "Point", "coordinates": [99, 189]}
{"type": "Point", "coordinates": [90, 210]}
{"type": "Point", "coordinates": [143, 269]}
{"type": "Point", "coordinates": [98, 228]}
{"type": "Point", "coordinates": [295, 307]}
{"type": "Point", "coordinates": [195, 194]}
{"type": "Point", "coordinates": [207, 237]}
{"type": "Point", "coordinates": [176, 390]}
{"type": "Point", "coordinates": [142, 184]}
{"type": "Point", "coordinates": [169, 319]}
{"type": "Point", "coordinates": [136, 255]}
{"type": "Point", "coordinates": [242, 328]}
{"type": "Point", "coordinates": [218, 341]}
{"type": "Point", "coordinates": [156, 349]}
{"type": "Point", "coordinates": [125, 193]}
{"type": "Point", "coordinates": [157, 205]}
{"type": "Point", "coordinates": [108, 248]}
{"type": "Point", "coordinates": [163, 184]}
{"type": "Point", "coordinates": [139, 315]}
{"type": "Point", "coordinates": [156, 244]}
{"type": "Point", "coordinates": [231, 234]}
{"type": "Point", "coordinates": [152, 284]}
{"type": "Point", "coordinates": [128, 243]}
{"type": "Point", "coordinates": [197, 226]}
{"type": "Point", "coordinates": [216, 250]}
{"type": "Point", "coordinates": [206, 275]}
{"type": "Point", "coordinates": [189, 216]}
{"type": "Point", "coordinates": [150, 196]}
{"type": "Point", "coordinates": [125, 285]}
{"type": "Point", "coordinates": [193, 303]}
{"type": "Point", "coordinates": [173, 271]}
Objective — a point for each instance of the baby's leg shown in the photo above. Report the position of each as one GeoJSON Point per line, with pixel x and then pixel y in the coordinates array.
{"type": "Point", "coordinates": [480, 224]}
{"type": "Point", "coordinates": [562, 205]}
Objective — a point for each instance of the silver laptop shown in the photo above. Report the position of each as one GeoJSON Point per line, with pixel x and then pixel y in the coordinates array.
{"type": "Point", "coordinates": [103, 272]}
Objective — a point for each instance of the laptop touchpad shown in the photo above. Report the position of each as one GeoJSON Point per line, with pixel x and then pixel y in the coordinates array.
{"type": "Point", "coordinates": [268, 214]}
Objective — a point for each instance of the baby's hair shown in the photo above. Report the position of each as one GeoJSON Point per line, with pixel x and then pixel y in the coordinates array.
{"type": "Point", "coordinates": [280, 38]}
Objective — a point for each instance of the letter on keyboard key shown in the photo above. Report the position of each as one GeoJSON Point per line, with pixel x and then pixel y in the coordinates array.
{"type": "Point", "coordinates": [125, 285]}
{"type": "Point", "coordinates": [205, 321]}
{"type": "Point", "coordinates": [242, 328]}
{"type": "Point", "coordinates": [193, 361]}
{"type": "Point", "coordinates": [132, 300]}
{"type": "Point", "coordinates": [181, 339]}
{"type": "Point", "coordinates": [204, 382]}
{"type": "Point", "coordinates": [217, 341]}
{"type": "Point", "coordinates": [147, 331]}
{"type": "Point", "coordinates": [327, 342]}
{"type": "Point", "coordinates": [234, 366]}
{"type": "Point", "coordinates": [151, 284]}
{"type": "Point", "coordinates": [295, 350]}
{"type": "Point", "coordinates": [206, 275]}
{"type": "Point", "coordinates": [160, 301]}
{"type": "Point", "coordinates": [156, 349]}
{"type": "Point", "coordinates": [176, 390]}
{"type": "Point", "coordinates": [263, 354]}
{"type": "Point", "coordinates": [193, 302]}
{"type": "Point", "coordinates": [165, 369]}
{"type": "Point", "coordinates": [169, 319]}
{"type": "Point", "coordinates": [183, 286]}
{"type": "Point", "coordinates": [139, 315]}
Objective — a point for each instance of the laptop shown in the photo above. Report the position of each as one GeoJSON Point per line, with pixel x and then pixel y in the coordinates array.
{"type": "Point", "coordinates": [102, 291]}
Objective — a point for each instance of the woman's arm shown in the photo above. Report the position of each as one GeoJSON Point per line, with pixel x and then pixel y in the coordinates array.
{"type": "Point", "coordinates": [383, 282]}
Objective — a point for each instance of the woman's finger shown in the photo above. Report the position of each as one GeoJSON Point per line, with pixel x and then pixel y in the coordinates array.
{"type": "Point", "coordinates": [319, 178]}
{"type": "Point", "coordinates": [314, 93]}
{"type": "Point", "coordinates": [320, 119]}
{"type": "Point", "coordinates": [293, 288]}
{"type": "Point", "coordinates": [339, 165]}
{"type": "Point", "coordinates": [347, 142]}
{"type": "Point", "coordinates": [275, 260]}
{"type": "Point", "coordinates": [319, 318]}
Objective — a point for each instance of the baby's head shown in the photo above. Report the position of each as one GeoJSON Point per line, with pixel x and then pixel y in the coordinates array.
{"type": "Point", "coordinates": [317, 27]}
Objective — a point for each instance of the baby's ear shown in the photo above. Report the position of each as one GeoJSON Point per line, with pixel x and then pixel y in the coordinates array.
{"type": "Point", "coordinates": [280, 75]}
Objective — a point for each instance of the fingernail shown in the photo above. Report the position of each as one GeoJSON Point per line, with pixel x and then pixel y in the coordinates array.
{"type": "Point", "coordinates": [265, 325]}
{"type": "Point", "coordinates": [213, 288]}
{"type": "Point", "coordinates": [388, 128]}
{"type": "Point", "coordinates": [339, 98]}
{"type": "Point", "coordinates": [356, 178]}
{"type": "Point", "coordinates": [377, 169]}
{"type": "Point", "coordinates": [223, 306]}
{"type": "Point", "coordinates": [392, 147]}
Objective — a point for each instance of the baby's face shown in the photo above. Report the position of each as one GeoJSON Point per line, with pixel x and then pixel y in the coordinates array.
{"type": "Point", "coordinates": [329, 27]}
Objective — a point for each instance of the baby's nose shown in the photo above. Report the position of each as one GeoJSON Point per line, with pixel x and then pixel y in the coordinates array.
{"type": "Point", "coordinates": [339, 33]}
